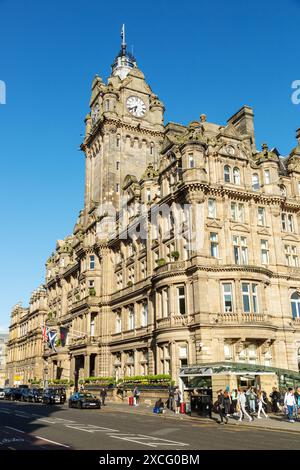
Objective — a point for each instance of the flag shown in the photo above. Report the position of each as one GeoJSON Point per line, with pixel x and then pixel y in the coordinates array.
{"type": "Point", "coordinates": [51, 338]}
{"type": "Point", "coordinates": [44, 333]}
{"type": "Point", "coordinates": [63, 333]}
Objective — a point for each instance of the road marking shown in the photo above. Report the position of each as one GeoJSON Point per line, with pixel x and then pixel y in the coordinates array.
{"type": "Point", "coordinates": [6, 412]}
{"type": "Point", "coordinates": [150, 440]}
{"type": "Point", "coordinates": [22, 415]}
{"type": "Point", "coordinates": [46, 420]}
{"type": "Point", "coordinates": [14, 429]}
{"type": "Point", "coordinates": [52, 442]}
{"type": "Point", "coordinates": [90, 428]}
{"type": "Point", "coordinates": [63, 420]}
{"type": "Point", "coordinates": [12, 439]}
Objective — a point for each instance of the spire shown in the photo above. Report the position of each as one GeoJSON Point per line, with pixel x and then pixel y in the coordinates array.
{"type": "Point", "coordinates": [123, 44]}
{"type": "Point", "coordinates": [124, 61]}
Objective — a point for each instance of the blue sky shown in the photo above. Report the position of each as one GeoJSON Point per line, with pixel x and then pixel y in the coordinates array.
{"type": "Point", "coordinates": [198, 56]}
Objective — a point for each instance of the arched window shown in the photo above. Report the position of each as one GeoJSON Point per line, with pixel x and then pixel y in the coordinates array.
{"type": "Point", "coordinates": [236, 176]}
{"type": "Point", "coordinates": [255, 182]}
{"type": "Point", "coordinates": [295, 303]}
{"type": "Point", "coordinates": [227, 174]}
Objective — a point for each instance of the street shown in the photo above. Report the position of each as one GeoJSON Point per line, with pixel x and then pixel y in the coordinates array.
{"type": "Point", "coordinates": [36, 426]}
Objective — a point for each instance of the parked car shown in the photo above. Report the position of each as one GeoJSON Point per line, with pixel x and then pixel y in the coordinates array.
{"type": "Point", "coordinates": [24, 394]}
{"type": "Point", "coordinates": [8, 392]}
{"type": "Point", "coordinates": [51, 396]}
{"type": "Point", "coordinates": [84, 400]}
{"type": "Point", "coordinates": [35, 395]}
{"type": "Point", "coordinates": [15, 394]}
{"type": "Point", "coordinates": [2, 394]}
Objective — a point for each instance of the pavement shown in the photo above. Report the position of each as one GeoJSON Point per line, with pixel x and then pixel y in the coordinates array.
{"type": "Point", "coordinates": [273, 422]}
{"type": "Point", "coordinates": [27, 426]}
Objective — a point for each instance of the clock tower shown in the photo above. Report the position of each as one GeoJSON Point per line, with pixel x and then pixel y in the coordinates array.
{"type": "Point", "coordinates": [124, 130]}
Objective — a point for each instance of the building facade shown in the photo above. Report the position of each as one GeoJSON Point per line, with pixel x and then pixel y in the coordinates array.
{"type": "Point", "coordinates": [25, 347]}
{"type": "Point", "coordinates": [3, 342]}
{"type": "Point", "coordinates": [186, 250]}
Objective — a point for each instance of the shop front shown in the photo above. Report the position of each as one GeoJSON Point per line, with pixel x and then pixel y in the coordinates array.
{"type": "Point", "coordinates": [200, 383]}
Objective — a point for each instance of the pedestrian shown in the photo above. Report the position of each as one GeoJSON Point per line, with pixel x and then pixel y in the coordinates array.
{"type": "Point", "coordinates": [227, 402]}
{"type": "Point", "coordinates": [177, 400]}
{"type": "Point", "coordinates": [297, 400]}
{"type": "Point", "coordinates": [171, 398]}
{"type": "Point", "coordinates": [290, 403]}
{"type": "Point", "coordinates": [103, 395]}
{"type": "Point", "coordinates": [234, 395]}
{"type": "Point", "coordinates": [261, 402]}
{"type": "Point", "coordinates": [159, 406]}
{"type": "Point", "coordinates": [221, 409]}
{"type": "Point", "coordinates": [136, 396]}
{"type": "Point", "coordinates": [242, 404]}
{"type": "Point", "coordinates": [251, 396]}
{"type": "Point", "coordinates": [275, 397]}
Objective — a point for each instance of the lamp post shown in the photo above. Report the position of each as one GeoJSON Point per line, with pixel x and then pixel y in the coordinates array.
{"type": "Point", "coordinates": [45, 377]}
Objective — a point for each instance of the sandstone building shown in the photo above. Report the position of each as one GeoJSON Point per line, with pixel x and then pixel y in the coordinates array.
{"type": "Point", "coordinates": [186, 251]}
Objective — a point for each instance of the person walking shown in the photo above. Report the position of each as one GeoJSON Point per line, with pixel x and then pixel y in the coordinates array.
{"type": "Point", "coordinates": [290, 403]}
{"type": "Point", "coordinates": [171, 398]}
{"type": "Point", "coordinates": [227, 402]}
{"type": "Point", "coordinates": [103, 395]}
{"type": "Point", "coordinates": [297, 400]}
{"type": "Point", "coordinates": [136, 395]}
{"type": "Point", "coordinates": [275, 397]}
{"type": "Point", "coordinates": [234, 395]}
{"type": "Point", "coordinates": [221, 407]}
{"type": "Point", "coordinates": [250, 394]}
{"type": "Point", "coordinates": [261, 402]}
{"type": "Point", "coordinates": [177, 400]}
{"type": "Point", "coordinates": [242, 405]}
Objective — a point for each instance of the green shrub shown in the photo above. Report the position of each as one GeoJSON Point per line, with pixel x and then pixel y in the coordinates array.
{"type": "Point", "coordinates": [175, 255]}
{"type": "Point", "coordinates": [160, 262]}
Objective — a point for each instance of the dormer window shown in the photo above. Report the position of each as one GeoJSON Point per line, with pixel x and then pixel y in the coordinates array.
{"type": "Point", "coordinates": [148, 194]}
{"type": "Point", "coordinates": [267, 176]}
{"type": "Point", "coordinates": [236, 176]}
{"type": "Point", "coordinates": [227, 174]}
{"type": "Point", "coordinates": [255, 182]}
{"type": "Point", "coordinates": [191, 161]}
{"type": "Point", "coordinates": [92, 262]}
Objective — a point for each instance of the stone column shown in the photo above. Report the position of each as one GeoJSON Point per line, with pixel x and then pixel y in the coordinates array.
{"type": "Point", "coordinates": [72, 367]}
{"type": "Point", "coordinates": [87, 358]}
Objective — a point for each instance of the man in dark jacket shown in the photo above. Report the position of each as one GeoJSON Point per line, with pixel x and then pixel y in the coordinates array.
{"type": "Point", "coordinates": [103, 395]}
{"type": "Point", "coordinates": [275, 397]}
{"type": "Point", "coordinates": [221, 407]}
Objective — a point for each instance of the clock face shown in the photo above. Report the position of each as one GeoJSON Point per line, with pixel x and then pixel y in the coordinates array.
{"type": "Point", "coordinates": [136, 106]}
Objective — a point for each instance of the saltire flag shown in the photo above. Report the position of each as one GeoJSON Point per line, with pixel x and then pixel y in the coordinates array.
{"type": "Point", "coordinates": [63, 333]}
{"type": "Point", "coordinates": [44, 333]}
{"type": "Point", "coordinates": [51, 338]}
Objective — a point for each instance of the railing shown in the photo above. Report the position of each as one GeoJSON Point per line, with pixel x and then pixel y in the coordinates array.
{"type": "Point", "coordinates": [243, 318]}
{"type": "Point", "coordinates": [169, 267]}
{"type": "Point", "coordinates": [175, 320]}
